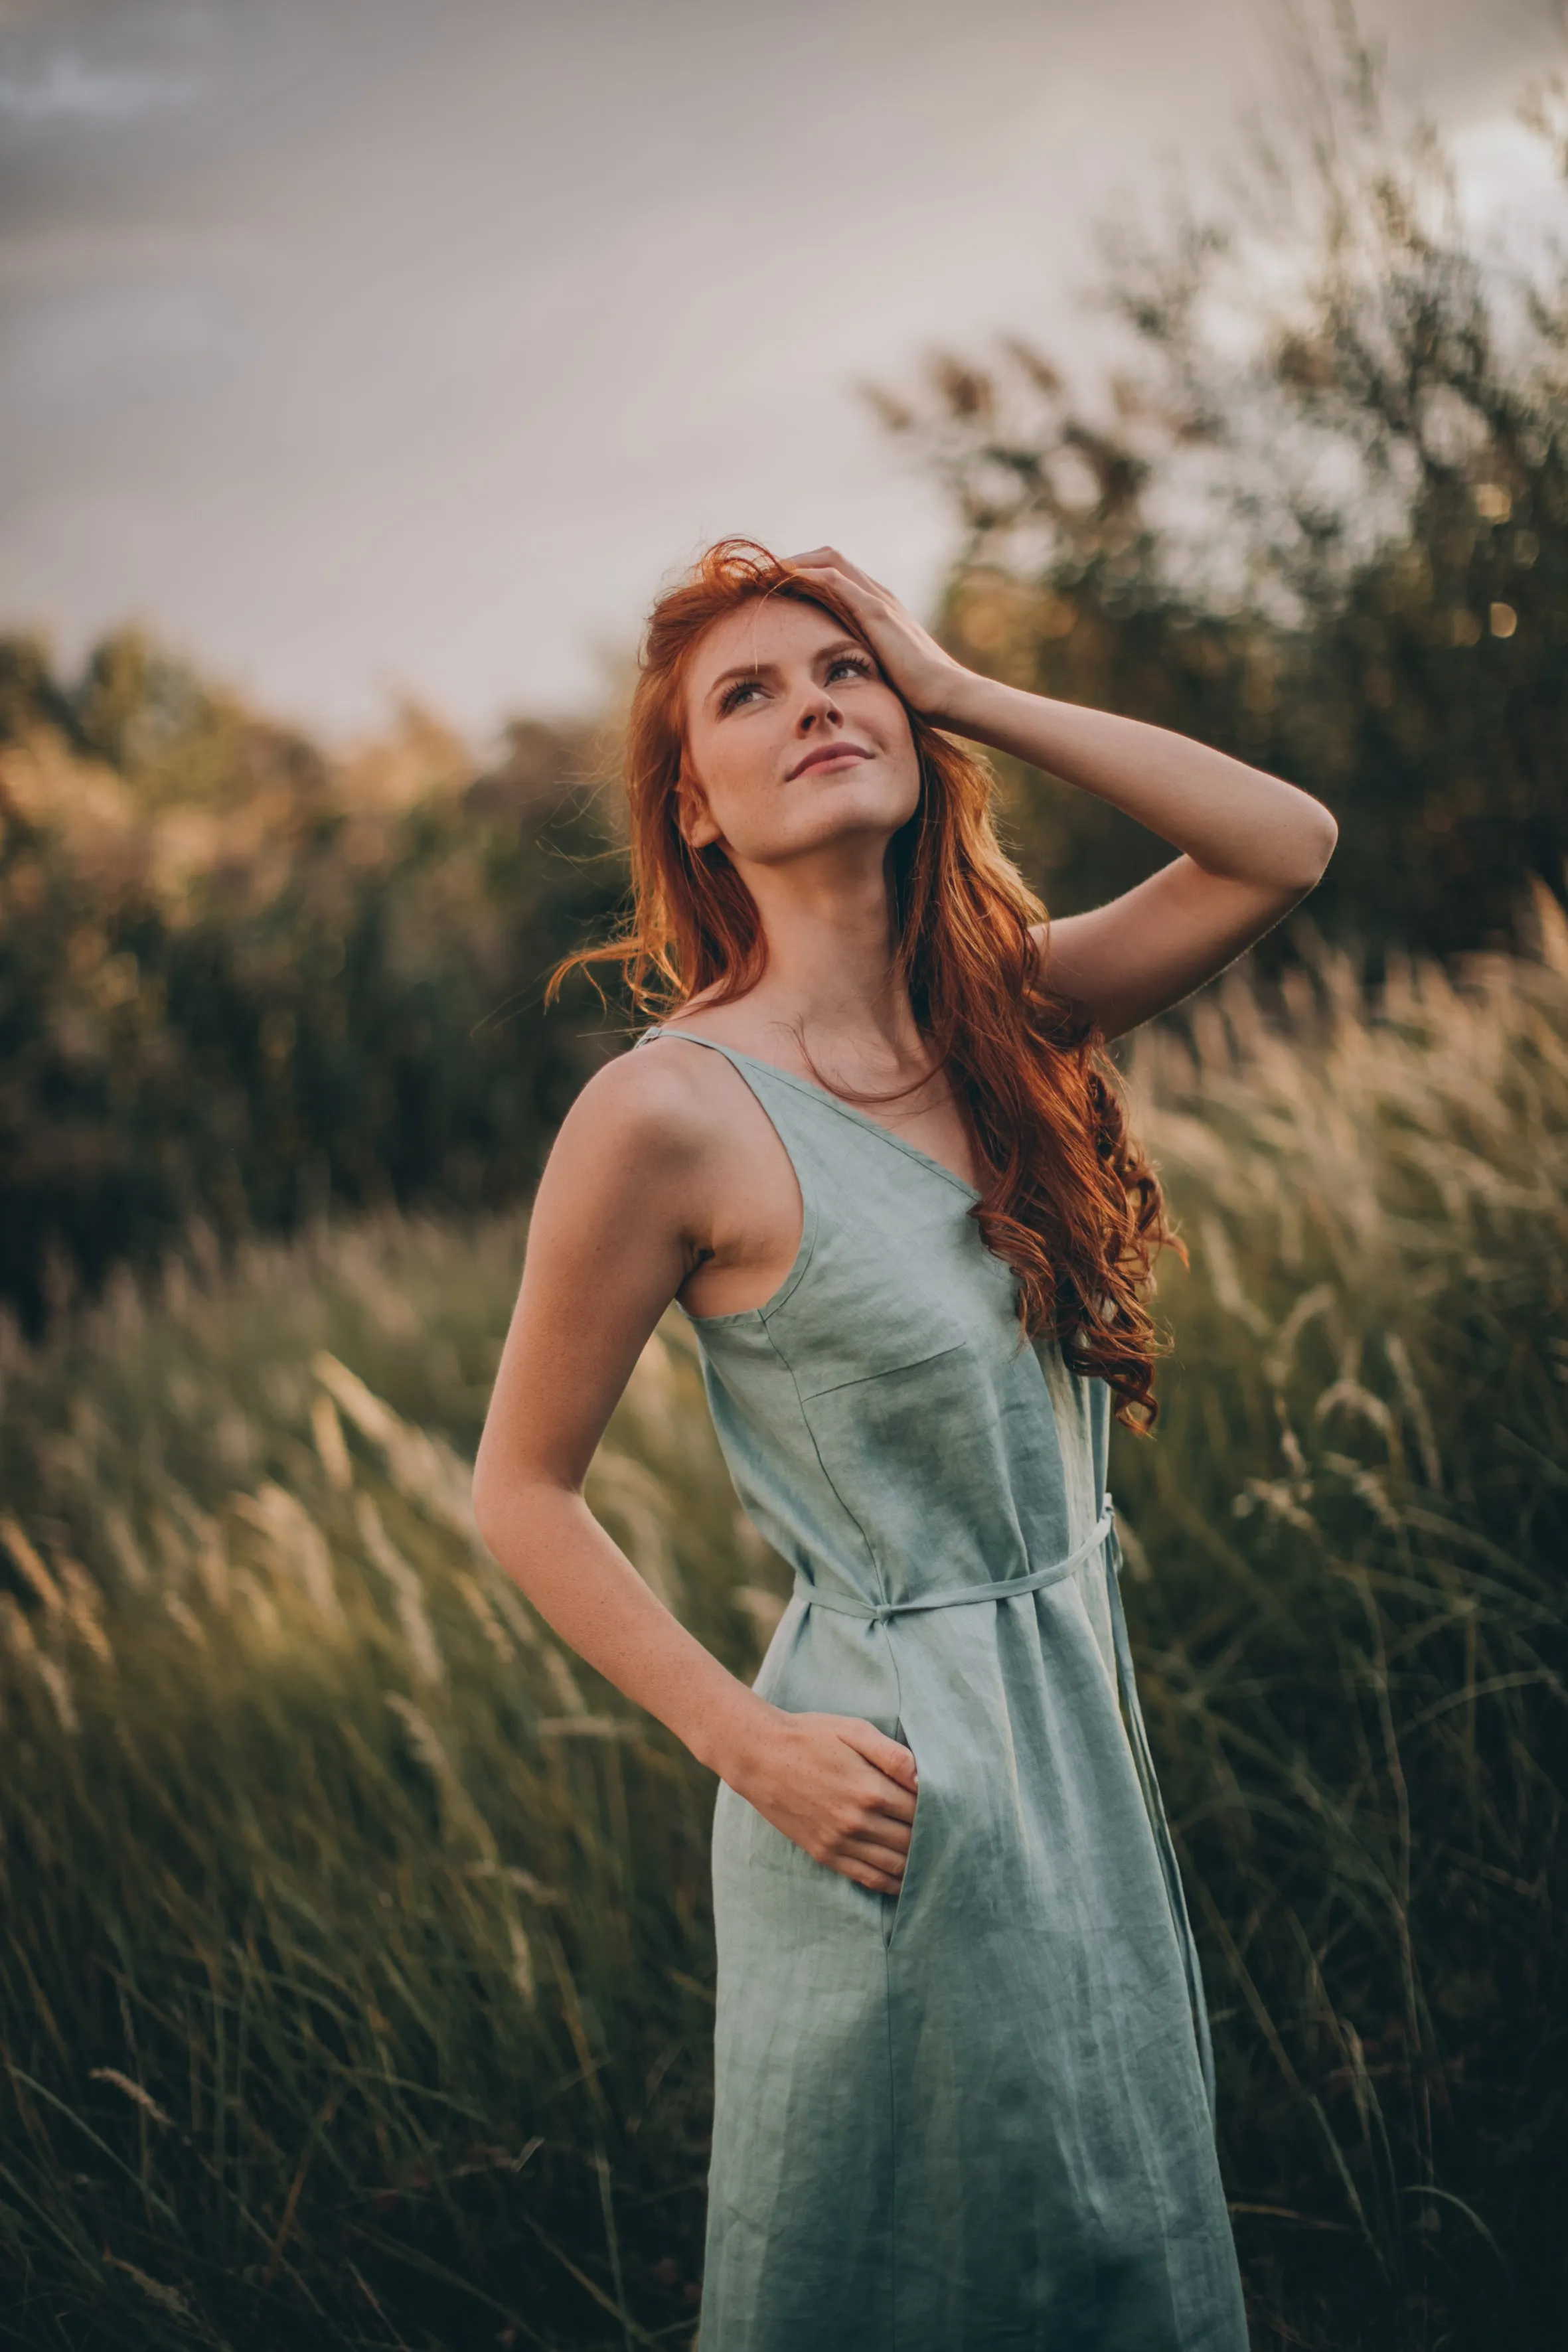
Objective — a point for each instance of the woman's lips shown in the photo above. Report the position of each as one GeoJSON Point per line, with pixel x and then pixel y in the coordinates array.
{"type": "Point", "coordinates": [828, 755]}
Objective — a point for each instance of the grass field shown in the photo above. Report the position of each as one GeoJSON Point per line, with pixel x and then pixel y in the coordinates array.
{"type": "Point", "coordinates": [355, 1974]}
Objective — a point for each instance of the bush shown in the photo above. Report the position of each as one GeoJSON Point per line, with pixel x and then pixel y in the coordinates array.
{"type": "Point", "coordinates": [239, 980]}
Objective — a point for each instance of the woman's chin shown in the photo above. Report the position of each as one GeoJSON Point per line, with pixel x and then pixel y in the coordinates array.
{"type": "Point", "coordinates": [858, 842]}
{"type": "Point", "coordinates": [853, 815]}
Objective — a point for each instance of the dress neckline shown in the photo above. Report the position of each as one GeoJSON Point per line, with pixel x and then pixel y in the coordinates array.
{"type": "Point", "coordinates": [820, 1093]}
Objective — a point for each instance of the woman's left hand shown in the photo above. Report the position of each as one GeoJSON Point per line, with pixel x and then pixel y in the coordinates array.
{"type": "Point", "coordinates": [913, 662]}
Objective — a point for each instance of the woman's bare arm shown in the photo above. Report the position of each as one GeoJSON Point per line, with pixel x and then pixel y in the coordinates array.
{"type": "Point", "coordinates": [1251, 846]}
{"type": "Point", "coordinates": [616, 1228]}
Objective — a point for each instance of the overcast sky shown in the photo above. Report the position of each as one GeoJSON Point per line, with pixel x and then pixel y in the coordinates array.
{"type": "Point", "coordinates": [370, 345]}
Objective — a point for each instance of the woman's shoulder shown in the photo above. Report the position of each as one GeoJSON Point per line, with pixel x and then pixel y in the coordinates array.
{"type": "Point", "coordinates": [657, 1104]}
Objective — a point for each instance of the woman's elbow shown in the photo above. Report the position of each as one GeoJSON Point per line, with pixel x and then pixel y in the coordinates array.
{"type": "Point", "coordinates": [493, 1494]}
{"type": "Point", "coordinates": [513, 1498]}
{"type": "Point", "coordinates": [1311, 848]}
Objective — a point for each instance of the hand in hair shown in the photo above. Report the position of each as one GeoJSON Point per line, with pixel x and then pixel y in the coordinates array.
{"type": "Point", "coordinates": [1251, 845]}
{"type": "Point", "coordinates": [911, 661]}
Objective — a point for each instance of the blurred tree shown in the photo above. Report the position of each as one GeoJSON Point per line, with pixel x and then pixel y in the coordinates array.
{"type": "Point", "coordinates": [240, 980]}
{"type": "Point", "coordinates": [1327, 530]}
{"type": "Point", "coordinates": [152, 717]}
{"type": "Point", "coordinates": [30, 694]}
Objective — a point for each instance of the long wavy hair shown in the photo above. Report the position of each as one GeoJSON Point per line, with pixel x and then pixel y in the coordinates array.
{"type": "Point", "coordinates": [1068, 1200]}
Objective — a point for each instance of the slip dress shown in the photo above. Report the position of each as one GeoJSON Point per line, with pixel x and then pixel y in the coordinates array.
{"type": "Point", "coordinates": [976, 2116]}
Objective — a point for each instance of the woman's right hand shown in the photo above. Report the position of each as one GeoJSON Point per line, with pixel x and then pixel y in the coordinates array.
{"type": "Point", "coordinates": [840, 1789]}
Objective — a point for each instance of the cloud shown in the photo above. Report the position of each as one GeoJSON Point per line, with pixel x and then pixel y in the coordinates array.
{"type": "Point", "coordinates": [65, 90]}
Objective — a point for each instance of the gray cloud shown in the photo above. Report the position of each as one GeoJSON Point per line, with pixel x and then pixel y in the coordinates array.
{"type": "Point", "coordinates": [391, 343]}
{"type": "Point", "coordinates": [65, 87]}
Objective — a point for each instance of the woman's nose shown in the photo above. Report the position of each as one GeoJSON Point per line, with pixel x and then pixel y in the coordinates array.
{"type": "Point", "coordinates": [820, 711]}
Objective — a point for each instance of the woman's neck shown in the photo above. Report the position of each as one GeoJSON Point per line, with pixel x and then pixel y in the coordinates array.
{"type": "Point", "coordinates": [831, 994]}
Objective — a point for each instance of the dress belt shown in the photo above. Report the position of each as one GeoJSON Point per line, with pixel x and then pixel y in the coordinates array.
{"type": "Point", "coordinates": [1103, 1533]}
{"type": "Point", "coordinates": [1004, 1589]}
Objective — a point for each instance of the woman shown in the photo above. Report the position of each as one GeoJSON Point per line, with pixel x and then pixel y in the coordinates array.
{"type": "Point", "coordinates": [875, 1155]}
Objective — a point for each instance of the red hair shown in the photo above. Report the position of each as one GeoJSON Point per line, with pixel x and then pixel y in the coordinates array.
{"type": "Point", "coordinates": [1068, 1200]}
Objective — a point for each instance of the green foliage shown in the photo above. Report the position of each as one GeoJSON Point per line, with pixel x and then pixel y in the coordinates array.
{"type": "Point", "coordinates": [1326, 530]}
{"type": "Point", "coordinates": [353, 1990]}
{"type": "Point", "coordinates": [238, 980]}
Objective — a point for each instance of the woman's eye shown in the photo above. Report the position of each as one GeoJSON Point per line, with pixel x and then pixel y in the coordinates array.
{"type": "Point", "coordinates": [736, 694]}
{"type": "Point", "coordinates": [853, 664]}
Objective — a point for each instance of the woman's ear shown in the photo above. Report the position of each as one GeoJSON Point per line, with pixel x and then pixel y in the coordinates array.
{"type": "Point", "coordinates": [697, 825]}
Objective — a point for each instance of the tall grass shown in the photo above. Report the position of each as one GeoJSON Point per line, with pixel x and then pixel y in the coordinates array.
{"type": "Point", "coordinates": [1353, 1660]}
{"type": "Point", "coordinates": [354, 1982]}
{"type": "Point", "coordinates": [355, 1976]}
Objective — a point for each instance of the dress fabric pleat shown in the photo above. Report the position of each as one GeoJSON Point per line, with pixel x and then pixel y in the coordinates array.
{"type": "Point", "coordinates": [973, 2116]}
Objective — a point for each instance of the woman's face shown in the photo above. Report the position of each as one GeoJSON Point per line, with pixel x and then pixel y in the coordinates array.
{"type": "Point", "coordinates": [794, 740]}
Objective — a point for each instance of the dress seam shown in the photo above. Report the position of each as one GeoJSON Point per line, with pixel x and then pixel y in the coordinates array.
{"type": "Point", "coordinates": [892, 2068]}
{"type": "Point", "coordinates": [828, 1479]}
{"type": "Point", "coordinates": [893, 2140]}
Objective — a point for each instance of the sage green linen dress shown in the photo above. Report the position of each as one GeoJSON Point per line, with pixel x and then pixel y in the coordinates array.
{"type": "Point", "coordinates": [973, 2116]}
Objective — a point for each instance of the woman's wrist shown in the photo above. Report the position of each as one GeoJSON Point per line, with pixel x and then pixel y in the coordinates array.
{"type": "Point", "coordinates": [968, 703]}
{"type": "Point", "coordinates": [734, 1737]}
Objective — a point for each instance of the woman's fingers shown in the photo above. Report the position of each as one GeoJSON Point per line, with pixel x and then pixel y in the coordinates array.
{"type": "Point", "coordinates": [870, 1865]}
{"type": "Point", "coordinates": [853, 593]}
{"type": "Point", "coordinates": [914, 663]}
{"type": "Point", "coordinates": [879, 1830]}
{"type": "Point", "coordinates": [874, 1855]}
{"type": "Point", "coordinates": [897, 1762]}
{"type": "Point", "coordinates": [876, 1882]}
{"type": "Point", "coordinates": [844, 1792]}
{"type": "Point", "coordinates": [828, 559]}
{"type": "Point", "coordinates": [879, 1853]}
{"type": "Point", "coordinates": [887, 1801]}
